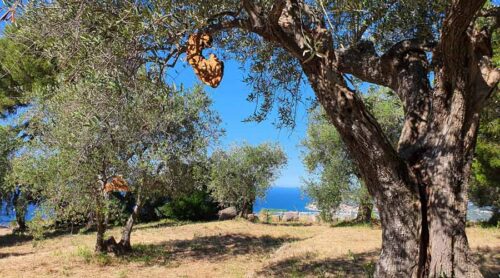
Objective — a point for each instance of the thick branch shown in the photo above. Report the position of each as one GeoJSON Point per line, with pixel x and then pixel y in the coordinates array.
{"type": "Point", "coordinates": [362, 61]}
{"type": "Point", "coordinates": [254, 12]}
{"type": "Point", "coordinates": [458, 19]}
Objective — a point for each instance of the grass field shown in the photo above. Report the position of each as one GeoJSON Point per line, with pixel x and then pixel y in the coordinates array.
{"type": "Point", "coordinates": [220, 249]}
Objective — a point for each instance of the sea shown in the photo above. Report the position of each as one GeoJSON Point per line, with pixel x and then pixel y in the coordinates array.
{"type": "Point", "coordinates": [277, 198]}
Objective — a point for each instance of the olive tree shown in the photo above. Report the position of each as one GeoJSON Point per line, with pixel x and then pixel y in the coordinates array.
{"type": "Point", "coordinates": [244, 173]}
{"type": "Point", "coordinates": [432, 54]}
{"type": "Point", "coordinates": [96, 130]}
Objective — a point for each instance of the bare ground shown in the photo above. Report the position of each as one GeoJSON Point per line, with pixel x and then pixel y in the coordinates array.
{"type": "Point", "coordinates": [220, 249]}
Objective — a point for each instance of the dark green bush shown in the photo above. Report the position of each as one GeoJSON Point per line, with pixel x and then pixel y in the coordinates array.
{"type": "Point", "coordinates": [197, 205]}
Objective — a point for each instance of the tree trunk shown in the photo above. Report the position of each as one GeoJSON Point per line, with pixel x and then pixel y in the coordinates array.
{"type": "Point", "coordinates": [365, 208]}
{"type": "Point", "coordinates": [246, 209]}
{"type": "Point", "coordinates": [107, 197]}
{"type": "Point", "coordinates": [420, 189]}
{"type": "Point", "coordinates": [389, 181]}
{"type": "Point", "coordinates": [21, 207]}
{"type": "Point", "coordinates": [127, 230]}
{"type": "Point", "coordinates": [90, 222]}
{"type": "Point", "coordinates": [100, 246]}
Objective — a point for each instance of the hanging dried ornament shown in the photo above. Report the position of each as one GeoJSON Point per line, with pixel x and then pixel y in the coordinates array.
{"type": "Point", "coordinates": [210, 70]}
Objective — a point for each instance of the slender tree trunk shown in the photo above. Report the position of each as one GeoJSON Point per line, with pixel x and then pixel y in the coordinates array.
{"type": "Point", "coordinates": [365, 207]}
{"type": "Point", "coordinates": [244, 209]}
{"type": "Point", "coordinates": [90, 221]}
{"type": "Point", "coordinates": [107, 197]}
{"type": "Point", "coordinates": [364, 213]}
{"type": "Point", "coordinates": [127, 230]}
{"type": "Point", "coordinates": [100, 246]}
{"type": "Point", "coordinates": [20, 218]}
{"type": "Point", "coordinates": [21, 208]}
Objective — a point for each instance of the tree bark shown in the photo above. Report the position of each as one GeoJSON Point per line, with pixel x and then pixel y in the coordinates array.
{"type": "Point", "coordinates": [420, 189]}
{"type": "Point", "coordinates": [20, 206]}
{"type": "Point", "coordinates": [127, 230]}
{"type": "Point", "coordinates": [100, 246]}
{"type": "Point", "coordinates": [365, 209]}
{"type": "Point", "coordinates": [389, 180]}
{"type": "Point", "coordinates": [20, 218]}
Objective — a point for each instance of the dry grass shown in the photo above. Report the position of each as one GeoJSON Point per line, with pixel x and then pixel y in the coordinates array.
{"type": "Point", "coordinates": [219, 249]}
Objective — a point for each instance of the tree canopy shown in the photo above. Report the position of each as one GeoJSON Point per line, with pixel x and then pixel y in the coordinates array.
{"type": "Point", "coordinates": [21, 71]}
{"type": "Point", "coordinates": [244, 173]}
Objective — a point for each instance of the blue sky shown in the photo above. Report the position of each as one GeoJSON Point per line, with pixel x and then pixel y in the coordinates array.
{"type": "Point", "coordinates": [229, 100]}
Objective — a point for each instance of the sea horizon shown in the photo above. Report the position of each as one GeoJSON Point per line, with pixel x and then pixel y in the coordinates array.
{"type": "Point", "coordinates": [277, 198]}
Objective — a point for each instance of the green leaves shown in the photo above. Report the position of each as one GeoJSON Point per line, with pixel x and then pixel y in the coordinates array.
{"type": "Point", "coordinates": [485, 183]}
{"type": "Point", "coordinates": [244, 173]}
{"type": "Point", "coordinates": [21, 72]}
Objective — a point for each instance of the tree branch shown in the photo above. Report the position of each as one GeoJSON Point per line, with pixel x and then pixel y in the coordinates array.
{"type": "Point", "coordinates": [362, 61]}
{"type": "Point", "coordinates": [254, 13]}
{"type": "Point", "coordinates": [459, 17]}
{"type": "Point", "coordinates": [379, 13]}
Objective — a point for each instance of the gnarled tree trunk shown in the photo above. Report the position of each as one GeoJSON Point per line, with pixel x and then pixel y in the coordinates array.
{"type": "Point", "coordinates": [420, 188]}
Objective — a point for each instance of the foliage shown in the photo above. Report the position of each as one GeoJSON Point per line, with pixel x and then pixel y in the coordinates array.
{"type": "Point", "coordinates": [15, 197]}
{"type": "Point", "coordinates": [484, 188]}
{"type": "Point", "coordinates": [142, 132]}
{"type": "Point", "coordinates": [107, 113]}
{"type": "Point", "coordinates": [21, 71]}
{"type": "Point", "coordinates": [334, 176]}
{"type": "Point", "coordinates": [8, 144]}
{"type": "Point", "coordinates": [196, 205]}
{"type": "Point", "coordinates": [244, 173]}
{"type": "Point", "coordinates": [485, 182]}
{"type": "Point", "coordinates": [37, 227]}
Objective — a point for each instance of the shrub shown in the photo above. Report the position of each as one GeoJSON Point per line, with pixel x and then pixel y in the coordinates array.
{"type": "Point", "coordinates": [195, 206]}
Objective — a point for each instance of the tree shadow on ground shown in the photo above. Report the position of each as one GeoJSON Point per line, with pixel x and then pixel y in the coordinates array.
{"type": "Point", "coordinates": [164, 224]}
{"type": "Point", "coordinates": [12, 239]}
{"type": "Point", "coordinates": [13, 254]}
{"type": "Point", "coordinates": [289, 224]}
{"type": "Point", "coordinates": [352, 265]}
{"type": "Point", "coordinates": [211, 248]}
{"type": "Point", "coordinates": [488, 261]}
{"type": "Point", "coordinates": [360, 265]}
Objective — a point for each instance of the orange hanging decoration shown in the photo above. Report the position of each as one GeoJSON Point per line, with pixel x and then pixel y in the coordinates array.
{"type": "Point", "coordinates": [210, 70]}
{"type": "Point", "coordinates": [116, 184]}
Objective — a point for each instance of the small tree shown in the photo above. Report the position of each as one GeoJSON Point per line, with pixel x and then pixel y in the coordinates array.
{"type": "Point", "coordinates": [244, 173]}
{"type": "Point", "coordinates": [91, 132]}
